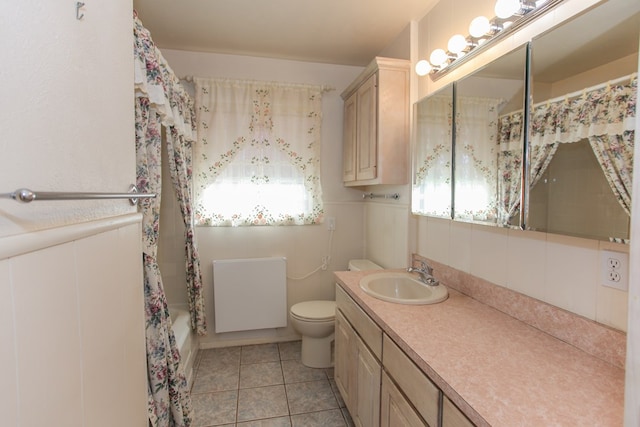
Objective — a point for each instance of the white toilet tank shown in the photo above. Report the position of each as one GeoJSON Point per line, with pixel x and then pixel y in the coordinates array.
{"type": "Point", "coordinates": [363, 264]}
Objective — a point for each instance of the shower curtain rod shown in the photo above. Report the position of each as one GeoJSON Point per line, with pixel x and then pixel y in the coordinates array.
{"type": "Point", "coordinates": [577, 93]}
{"type": "Point", "coordinates": [587, 90]}
{"type": "Point", "coordinates": [25, 195]}
{"type": "Point", "coordinates": [324, 88]}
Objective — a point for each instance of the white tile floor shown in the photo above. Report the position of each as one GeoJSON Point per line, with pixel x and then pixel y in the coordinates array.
{"type": "Point", "coordinates": [264, 386]}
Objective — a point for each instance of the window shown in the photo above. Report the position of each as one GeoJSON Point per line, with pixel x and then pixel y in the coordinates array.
{"type": "Point", "coordinates": [257, 158]}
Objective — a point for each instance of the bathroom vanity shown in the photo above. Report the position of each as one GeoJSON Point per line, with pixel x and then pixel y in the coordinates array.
{"type": "Point", "coordinates": [462, 363]}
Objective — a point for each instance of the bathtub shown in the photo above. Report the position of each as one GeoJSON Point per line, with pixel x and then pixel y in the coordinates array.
{"type": "Point", "coordinates": [185, 340]}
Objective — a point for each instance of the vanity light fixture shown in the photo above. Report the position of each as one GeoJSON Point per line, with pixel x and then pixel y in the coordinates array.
{"type": "Point", "coordinates": [479, 26]}
{"type": "Point", "coordinates": [510, 15]}
{"type": "Point", "coordinates": [506, 8]}
{"type": "Point", "coordinates": [457, 44]}
{"type": "Point", "coordinates": [438, 57]}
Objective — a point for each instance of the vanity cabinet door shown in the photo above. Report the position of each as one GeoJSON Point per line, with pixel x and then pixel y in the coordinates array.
{"type": "Point", "coordinates": [452, 416]}
{"type": "Point", "coordinates": [395, 410]}
{"type": "Point", "coordinates": [345, 347]}
{"type": "Point", "coordinates": [367, 388]}
{"type": "Point", "coordinates": [357, 374]}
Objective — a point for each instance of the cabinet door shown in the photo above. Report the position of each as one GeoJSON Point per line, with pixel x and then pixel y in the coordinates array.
{"type": "Point", "coordinates": [367, 389]}
{"type": "Point", "coordinates": [452, 417]}
{"type": "Point", "coordinates": [344, 365]}
{"type": "Point", "coordinates": [367, 130]}
{"type": "Point", "coordinates": [349, 139]}
{"type": "Point", "coordinates": [395, 410]}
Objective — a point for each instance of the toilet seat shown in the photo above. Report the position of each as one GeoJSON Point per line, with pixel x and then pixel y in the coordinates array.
{"type": "Point", "coordinates": [314, 311]}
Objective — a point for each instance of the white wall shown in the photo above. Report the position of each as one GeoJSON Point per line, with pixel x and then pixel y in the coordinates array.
{"type": "Point", "coordinates": [66, 109]}
{"type": "Point", "coordinates": [303, 246]}
{"type": "Point", "coordinates": [71, 307]}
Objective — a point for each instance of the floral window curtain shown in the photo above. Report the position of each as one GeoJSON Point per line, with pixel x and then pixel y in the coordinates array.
{"type": "Point", "coordinates": [257, 159]}
{"type": "Point", "coordinates": [476, 158]}
{"type": "Point", "coordinates": [510, 141]}
{"type": "Point", "coordinates": [432, 179]}
{"type": "Point", "coordinates": [161, 101]}
{"type": "Point", "coordinates": [606, 117]}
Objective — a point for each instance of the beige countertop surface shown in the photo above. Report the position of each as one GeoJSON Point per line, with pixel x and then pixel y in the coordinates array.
{"type": "Point", "coordinates": [498, 370]}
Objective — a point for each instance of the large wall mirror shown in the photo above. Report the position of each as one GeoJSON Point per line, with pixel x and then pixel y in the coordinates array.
{"type": "Point", "coordinates": [584, 81]}
{"type": "Point", "coordinates": [488, 141]}
{"type": "Point", "coordinates": [432, 154]}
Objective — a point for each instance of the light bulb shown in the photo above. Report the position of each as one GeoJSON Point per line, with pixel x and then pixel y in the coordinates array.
{"type": "Point", "coordinates": [479, 26]}
{"type": "Point", "coordinates": [438, 57]}
{"type": "Point", "coordinates": [423, 67]}
{"type": "Point", "coordinates": [506, 8]}
{"type": "Point", "coordinates": [457, 44]}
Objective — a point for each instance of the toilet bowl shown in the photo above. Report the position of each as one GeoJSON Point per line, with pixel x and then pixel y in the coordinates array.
{"type": "Point", "coordinates": [315, 322]}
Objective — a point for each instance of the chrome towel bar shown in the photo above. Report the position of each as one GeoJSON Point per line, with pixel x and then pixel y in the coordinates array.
{"type": "Point", "coordinates": [395, 196]}
{"type": "Point", "coordinates": [25, 195]}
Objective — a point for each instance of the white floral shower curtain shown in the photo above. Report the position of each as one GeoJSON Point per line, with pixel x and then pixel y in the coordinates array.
{"type": "Point", "coordinates": [160, 101]}
{"type": "Point", "coordinates": [605, 117]}
{"type": "Point", "coordinates": [258, 147]}
{"type": "Point", "coordinates": [510, 141]}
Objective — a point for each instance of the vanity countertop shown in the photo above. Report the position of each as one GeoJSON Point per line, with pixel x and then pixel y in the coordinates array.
{"type": "Point", "coordinates": [498, 370]}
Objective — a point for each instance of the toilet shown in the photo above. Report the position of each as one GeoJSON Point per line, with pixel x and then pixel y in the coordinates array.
{"type": "Point", "coordinates": [315, 322]}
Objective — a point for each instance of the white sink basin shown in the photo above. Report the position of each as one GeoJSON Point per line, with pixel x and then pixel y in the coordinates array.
{"type": "Point", "coordinates": [402, 288]}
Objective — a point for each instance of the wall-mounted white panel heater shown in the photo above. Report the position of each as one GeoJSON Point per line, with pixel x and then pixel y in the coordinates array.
{"type": "Point", "coordinates": [250, 294]}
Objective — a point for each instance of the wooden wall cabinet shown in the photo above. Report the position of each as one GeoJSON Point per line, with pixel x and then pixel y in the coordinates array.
{"type": "Point", "coordinates": [376, 125]}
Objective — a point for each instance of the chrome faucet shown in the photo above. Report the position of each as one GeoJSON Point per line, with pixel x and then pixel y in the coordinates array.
{"type": "Point", "coordinates": [426, 274]}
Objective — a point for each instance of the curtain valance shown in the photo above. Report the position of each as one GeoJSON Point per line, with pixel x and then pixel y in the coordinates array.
{"type": "Point", "coordinates": [154, 79]}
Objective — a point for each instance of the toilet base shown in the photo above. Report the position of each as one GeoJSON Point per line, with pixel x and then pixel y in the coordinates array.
{"type": "Point", "coordinates": [317, 352]}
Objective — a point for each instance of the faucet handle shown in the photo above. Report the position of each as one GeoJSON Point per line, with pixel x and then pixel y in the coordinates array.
{"type": "Point", "coordinates": [426, 268]}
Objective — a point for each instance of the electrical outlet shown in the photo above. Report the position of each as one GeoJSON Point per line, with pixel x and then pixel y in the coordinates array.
{"type": "Point", "coordinates": [325, 262]}
{"type": "Point", "coordinates": [614, 268]}
{"type": "Point", "coordinates": [331, 223]}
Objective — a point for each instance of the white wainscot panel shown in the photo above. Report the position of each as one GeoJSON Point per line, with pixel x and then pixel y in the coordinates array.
{"type": "Point", "coordinates": [47, 336]}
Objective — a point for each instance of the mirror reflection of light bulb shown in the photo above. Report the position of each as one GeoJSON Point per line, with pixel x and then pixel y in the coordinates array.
{"type": "Point", "coordinates": [479, 26]}
{"type": "Point", "coordinates": [506, 8]}
{"type": "Point", "coordinates": [438, 57]}
{"type": "Point", "coordinates": [423, 67]}
{"type": "Point", "coordinates": [457, 44]}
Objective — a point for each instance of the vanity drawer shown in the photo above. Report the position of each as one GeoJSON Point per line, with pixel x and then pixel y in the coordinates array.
{"type": "Point", "coordinates": [370, 333]}
{"type": "Point", "coordinates": [419, 389]}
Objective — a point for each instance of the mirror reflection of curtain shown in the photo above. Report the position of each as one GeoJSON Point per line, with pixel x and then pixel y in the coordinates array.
{"type": "Point", "coordinates": [605, 115]}
{"type": "Point", "coordinates": [432, 178]}
{"type": "Point", "coordinates": [476, 158]}
{"type": "Point", "coordinates": [510, 140]}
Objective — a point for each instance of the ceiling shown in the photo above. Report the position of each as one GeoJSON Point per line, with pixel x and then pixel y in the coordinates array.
{"type": "Point", "coordinates": [345, 32]}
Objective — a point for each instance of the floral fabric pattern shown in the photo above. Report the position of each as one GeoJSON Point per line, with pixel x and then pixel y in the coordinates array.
{"type": "Point", "coordinates": [511, 143]}
{"type": "Point", "coordinates": [431, 190]}
{"type": "Point", "coordinates": [258, 147]}
{"type": "Point", "coordinates": [604, 116]}
{"type": "Point", "coordinates": [160, 101]}
{"type": "Point", "coordinates": [475, 181]}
